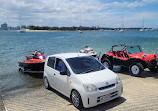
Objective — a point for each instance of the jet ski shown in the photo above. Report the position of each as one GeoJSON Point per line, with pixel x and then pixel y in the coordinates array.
{"type": "Point", "coordinates": [88, 50]}
{"type": "Point", "coordinates": [33, 63]}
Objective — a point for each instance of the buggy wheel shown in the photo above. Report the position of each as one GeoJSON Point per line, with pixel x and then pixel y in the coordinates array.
{"type": "Point", "coordinates": [107, 64]}
{"type": "Point", "coordinates": [136, 69]}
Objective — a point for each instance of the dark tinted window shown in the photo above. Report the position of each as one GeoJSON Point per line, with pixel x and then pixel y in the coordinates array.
{"type": "Point", "coordinates": [51, 62]}
{"type": "Point", "coordinates": [82, 65]}
{"type": "Point", "coordinates": [60, 65]}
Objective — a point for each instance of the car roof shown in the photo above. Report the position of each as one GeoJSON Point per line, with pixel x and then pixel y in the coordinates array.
{"type": "Point", "coordinates": [69, 55]}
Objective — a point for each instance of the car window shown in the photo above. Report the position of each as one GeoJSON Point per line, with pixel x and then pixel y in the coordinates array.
{"type": "Point", "coordinates": [83, 65]}
{"type": "Point", "coordinates": [60, 65]}
{"type": "Point", "coordinates": [51, 62]}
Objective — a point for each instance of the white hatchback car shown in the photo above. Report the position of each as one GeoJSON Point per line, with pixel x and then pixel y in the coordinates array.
{"type": "Point", "coordinates": [82, 78]}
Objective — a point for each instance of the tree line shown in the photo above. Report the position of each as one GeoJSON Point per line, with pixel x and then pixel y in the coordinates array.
{"type": "Point", "coordinates": [73, 28]}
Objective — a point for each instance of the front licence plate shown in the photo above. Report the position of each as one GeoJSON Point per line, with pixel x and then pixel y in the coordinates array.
{"type": "Point", "coordinates": [105, 97]}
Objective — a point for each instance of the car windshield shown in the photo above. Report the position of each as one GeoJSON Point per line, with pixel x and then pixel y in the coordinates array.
{"type": "Point", "coordinates": [133, 49]}
{"type": "Point", "coordinates": [83, 65]}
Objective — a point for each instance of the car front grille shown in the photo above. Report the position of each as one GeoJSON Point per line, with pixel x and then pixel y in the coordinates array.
{"type": "Point", "coordinates": [105, 87]}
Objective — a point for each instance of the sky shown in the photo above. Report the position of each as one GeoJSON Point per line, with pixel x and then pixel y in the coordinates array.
{"type": "Point", "coordinates": [102, 13]}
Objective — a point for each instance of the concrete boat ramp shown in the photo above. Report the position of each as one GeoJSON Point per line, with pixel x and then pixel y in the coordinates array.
{"type": "Point", "coordinates": [140, 94]}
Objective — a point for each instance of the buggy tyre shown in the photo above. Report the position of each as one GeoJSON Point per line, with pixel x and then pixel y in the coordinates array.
{"type": "Point", "coordinates": [107, 64]}
{"type": "Point", "coordinates": [136, 69]}
{"type": "Point", "coordinates": [46, 83]}
{"type": "Point", "coordinates": [76, 99]}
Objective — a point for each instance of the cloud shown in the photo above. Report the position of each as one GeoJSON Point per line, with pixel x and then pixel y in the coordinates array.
{"type": "Point", "coordinates": [69, 12]}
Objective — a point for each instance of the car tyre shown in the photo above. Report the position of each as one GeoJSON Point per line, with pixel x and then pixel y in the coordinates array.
{"type": "Point", "coordinates": [76, 99]}
{"type": "Point", "coordinates": [136, 69]}
{"type": "Point", "coordinates": [107, 64]}
{"type": "Point", "coordinates": [46, 83]}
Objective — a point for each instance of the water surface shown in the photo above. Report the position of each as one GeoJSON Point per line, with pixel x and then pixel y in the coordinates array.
{"type": "Point", "coordinates": [14, 46]}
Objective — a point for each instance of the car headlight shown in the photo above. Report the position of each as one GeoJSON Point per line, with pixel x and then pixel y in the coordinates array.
{"type": "Point", "coordinates": [118, 80]}
{"type": "Point", "coordinates": [89, 87]}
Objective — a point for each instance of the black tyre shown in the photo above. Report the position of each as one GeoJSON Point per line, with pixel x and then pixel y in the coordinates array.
{"type": "Point", "coordinates": [136, 69]}
{"type": "Point", "coordinates": [46, 83]}
{"type": "Point", "coordinates": [76, 99]}
{"type": "Point", "coordinates": [154, 70]}
{"type": "Point", "coordinates": [20, 69]}
{"type": "Point", "coordinates": [107, 64]}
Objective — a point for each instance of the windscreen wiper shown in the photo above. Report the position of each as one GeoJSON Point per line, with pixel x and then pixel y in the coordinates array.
{"type": "Point", "coordinates": [91, 70]}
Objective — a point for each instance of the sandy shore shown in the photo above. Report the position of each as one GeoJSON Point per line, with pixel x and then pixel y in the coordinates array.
{"type": "Point", "coordinates": [28, 30]}
{"type": "Point", "coordinates": [140, 94]}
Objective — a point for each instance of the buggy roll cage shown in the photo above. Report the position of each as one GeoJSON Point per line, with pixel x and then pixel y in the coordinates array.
{"type": "Point", "coordinates": [125, 47]}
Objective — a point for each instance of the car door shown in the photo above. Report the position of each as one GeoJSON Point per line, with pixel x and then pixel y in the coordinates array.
{"type": "Point", "coordinates": [50, 71]}
{"type": "Point", "coordinates": [62, 81]}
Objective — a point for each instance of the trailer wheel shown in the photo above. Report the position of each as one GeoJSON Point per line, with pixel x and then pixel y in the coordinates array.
{"type": "Point", "coordinates": [136, 69]}
{"type": "Point", "coordinates": [107, 64]}
{"type": "Point", "coordinates": [20, 70]}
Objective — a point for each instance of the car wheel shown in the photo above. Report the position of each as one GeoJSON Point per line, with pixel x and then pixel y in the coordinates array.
{"type": "Point", "coordinates": [107, 64]}
{"type": "Point", "coordinates": [136, 69]}
{"type": "Point", "coordinates": [154, 70]}
{"type": "Point", "coordinates": [46, 83]}
{"type": "Point", "coordinates": [76, 99]}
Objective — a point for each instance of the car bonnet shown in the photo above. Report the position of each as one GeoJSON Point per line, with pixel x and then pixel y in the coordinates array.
{"type": "Point", "coordinates": [98, 78]}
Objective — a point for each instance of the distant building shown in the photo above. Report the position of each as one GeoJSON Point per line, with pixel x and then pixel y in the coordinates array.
{"type": "Point", "coordinates": [4, 26]}
{"type": "Point", "coordinates": [11, 28]}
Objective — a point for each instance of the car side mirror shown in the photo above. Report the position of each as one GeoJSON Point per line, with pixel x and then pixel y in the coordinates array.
{"type": "Point", "coordinates": [63, 72]}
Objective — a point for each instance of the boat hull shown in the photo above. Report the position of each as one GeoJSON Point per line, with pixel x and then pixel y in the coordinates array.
{"type": "Point", "coordinates": [32, 66]}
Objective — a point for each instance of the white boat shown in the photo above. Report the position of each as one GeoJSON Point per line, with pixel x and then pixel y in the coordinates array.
{"type": "Point", "coordinates": [146, 29]}
{"type": "Point", "coordinates": [122, 30]}
{"type": "Point", "coordinates": [79, 31]}
{"type": "Point", "coordinates": [141, 30]}
{"type": "Point", "coordinates": [22, 30]}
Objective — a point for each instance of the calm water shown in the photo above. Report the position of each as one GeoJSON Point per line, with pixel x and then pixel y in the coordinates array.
{"type": "Point", "coordinates": [14, 46]}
